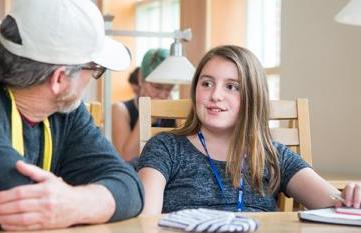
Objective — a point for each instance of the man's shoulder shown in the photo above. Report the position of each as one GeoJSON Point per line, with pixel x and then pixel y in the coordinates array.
{"type": "Point", "coordinates": [78, 117]}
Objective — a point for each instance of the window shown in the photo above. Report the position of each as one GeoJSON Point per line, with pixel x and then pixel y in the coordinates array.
{"type": "Point", "coordinates": [263, 38]}
{"type": "Point", "coordinates": [156, 16]}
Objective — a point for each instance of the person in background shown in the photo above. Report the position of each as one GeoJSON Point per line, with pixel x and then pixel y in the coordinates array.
{"type": "Point", "coordinates": [125, 123]}
{"type": "Point", "coordinates": [56, 168]}
{"type": "Point", "coordinates": [133, 80]}
{"type": "Point", "coordinates": [224, 157]}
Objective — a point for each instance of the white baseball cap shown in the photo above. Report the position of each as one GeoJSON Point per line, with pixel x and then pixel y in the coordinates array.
{"type": "Point", "coordinates": [66, 32]}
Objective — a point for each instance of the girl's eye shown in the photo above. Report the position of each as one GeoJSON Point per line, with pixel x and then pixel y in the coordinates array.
{"type": "Point", "coordinates": [206, 83]}
{"type": "Point", "coordinates": [232, 86]}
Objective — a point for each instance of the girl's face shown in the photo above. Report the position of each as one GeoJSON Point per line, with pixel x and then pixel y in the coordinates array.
{"type": "Point", "coordinates": [217, 95]}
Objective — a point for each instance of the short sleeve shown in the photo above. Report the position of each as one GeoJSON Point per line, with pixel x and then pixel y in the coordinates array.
{"type": "Point", "coordinates": [290, 164]}
{"type": "Point", "coordinates": [159, 154]}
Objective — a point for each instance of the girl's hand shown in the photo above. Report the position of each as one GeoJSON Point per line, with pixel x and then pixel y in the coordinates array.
{"type": "Point", "coordinates": [352, 195]}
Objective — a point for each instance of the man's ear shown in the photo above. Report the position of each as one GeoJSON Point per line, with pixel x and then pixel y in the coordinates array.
{"type": "Point", "coordinates": [58, 81]}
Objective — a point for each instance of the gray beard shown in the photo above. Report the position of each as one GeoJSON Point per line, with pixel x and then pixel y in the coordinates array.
{"type": "Point", "coordinates": [68, 107]}
{"type": "Point", "coordinates": [67, 102]}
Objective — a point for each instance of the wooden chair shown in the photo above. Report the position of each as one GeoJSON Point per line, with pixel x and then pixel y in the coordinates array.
{"type": "Point", "coordinates": [161, 109]}
{"type": "Point", "coordinates": [95, 109]}
{"type": "Point", "coordinates": [293, 129]}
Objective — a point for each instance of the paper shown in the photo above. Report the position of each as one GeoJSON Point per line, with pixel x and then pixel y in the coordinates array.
{"type": "Point", "coordinates": [348, 210]}
{"type": "Point", "coordinates": [329, 215]}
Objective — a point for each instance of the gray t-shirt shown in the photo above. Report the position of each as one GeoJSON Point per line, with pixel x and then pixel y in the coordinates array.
{"type": "Point", "coordinates": [191, 183]}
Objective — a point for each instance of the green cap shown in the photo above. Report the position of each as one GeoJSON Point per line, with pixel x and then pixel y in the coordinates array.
{"type": "Point", "coordinates": [151, 60]}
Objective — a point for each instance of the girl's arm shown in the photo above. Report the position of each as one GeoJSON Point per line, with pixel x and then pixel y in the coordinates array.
{"type": "Point", "coordinates": [311, 190]}
{"type": "Point", "coordinates": [154, 184]}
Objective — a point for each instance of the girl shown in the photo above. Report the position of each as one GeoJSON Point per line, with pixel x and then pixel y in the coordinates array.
{"type": "Point", "coordinates": [224, 157]}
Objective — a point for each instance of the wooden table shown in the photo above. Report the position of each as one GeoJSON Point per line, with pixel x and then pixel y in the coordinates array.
{"type": "Point", "coordinates": [276, 222]}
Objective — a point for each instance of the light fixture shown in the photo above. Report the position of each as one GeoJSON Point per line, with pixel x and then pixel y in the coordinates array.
{"type": "Point", "coordinates": [175, 69]}
{"type": "Point", "coordinates": [350, 14]}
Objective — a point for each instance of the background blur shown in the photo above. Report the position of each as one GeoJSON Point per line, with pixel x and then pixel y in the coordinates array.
{"type": "Point", "coordinates": [307, 54]}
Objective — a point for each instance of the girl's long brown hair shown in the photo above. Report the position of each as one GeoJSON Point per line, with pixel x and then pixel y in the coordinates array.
{"type": "Point", "coordinates": [251, 135]}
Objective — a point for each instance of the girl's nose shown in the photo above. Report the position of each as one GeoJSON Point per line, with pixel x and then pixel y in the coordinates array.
{"type": "Point", "coordinates": [217, 93]}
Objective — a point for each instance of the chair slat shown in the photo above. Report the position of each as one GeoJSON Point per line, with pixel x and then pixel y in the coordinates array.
{"type": "Point", "coordinates": [283, 109]}
{"type": "Point", "coordinates": [304, 130]}
{"type": "Point", "coordinates": [145, 120]}
{"type": "Point", "coordinates": [95, 109]}
{"type": "Point", "coordinates": [285, 136]}
{"type": "Point", "coordinates": [171, 109]}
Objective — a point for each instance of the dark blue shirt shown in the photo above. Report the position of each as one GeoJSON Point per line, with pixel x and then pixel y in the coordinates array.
{"type": "Point", "coordinates": [81, 155]}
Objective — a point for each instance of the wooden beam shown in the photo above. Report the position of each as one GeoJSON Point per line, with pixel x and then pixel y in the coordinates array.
{"type": "Point", "coordinates": [100, 5]}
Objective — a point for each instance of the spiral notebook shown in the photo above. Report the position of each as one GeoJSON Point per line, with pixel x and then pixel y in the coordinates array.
{"type": "Point", "coordinates": [329, 215]}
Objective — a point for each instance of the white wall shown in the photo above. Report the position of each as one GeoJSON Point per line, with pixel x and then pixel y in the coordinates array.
{"type": "Point", "coordinates": [321, 61]}
{"type": "Point", "coordinates": [2, 9]}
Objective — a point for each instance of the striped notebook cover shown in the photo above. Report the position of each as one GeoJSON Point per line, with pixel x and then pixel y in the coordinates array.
{"type": "Point", "coordinates": [206, 220]}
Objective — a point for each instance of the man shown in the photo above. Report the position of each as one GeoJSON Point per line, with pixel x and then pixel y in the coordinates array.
{"type": "Point", "coordinates": [49, 50]}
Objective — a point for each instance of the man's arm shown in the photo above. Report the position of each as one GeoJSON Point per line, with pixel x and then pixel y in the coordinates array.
{"type": "Point", "coordinates": [9, 176]}
{"type": "Point", "coordinates": [89, 158]}
{"type": "Point", "coordinates": [51, 203]}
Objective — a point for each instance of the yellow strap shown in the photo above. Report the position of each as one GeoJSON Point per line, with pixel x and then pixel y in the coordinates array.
{"type": "Point", "coordinates": [17, 127]}
{"type": "Point", "coordinates": [17, 135]}
{"type": "Point", "coordinates": [48, 146]}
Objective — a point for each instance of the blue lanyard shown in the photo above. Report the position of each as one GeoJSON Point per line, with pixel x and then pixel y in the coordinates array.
{"type": "Point", "coordinates": [240, 204]}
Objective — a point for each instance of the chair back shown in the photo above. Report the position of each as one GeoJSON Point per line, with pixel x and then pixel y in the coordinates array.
{"type": "Point", "coordinates": [289, 125]}
{"type": "Point", "coordinates": [95, 109]}
{"type": "Point", "coordinates": [160, 109]}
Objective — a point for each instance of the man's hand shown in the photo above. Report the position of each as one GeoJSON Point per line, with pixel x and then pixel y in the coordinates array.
{"type": "Point", "coordinates": [50, 203]}
{"type": "Point", "coordinates": [37, 206]}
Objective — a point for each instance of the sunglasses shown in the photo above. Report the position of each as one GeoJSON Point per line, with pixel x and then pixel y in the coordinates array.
{"type": "Point", "coordinates": [97, 70]}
